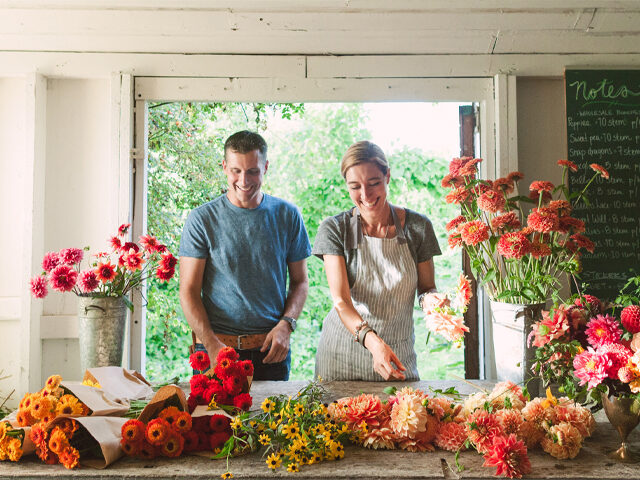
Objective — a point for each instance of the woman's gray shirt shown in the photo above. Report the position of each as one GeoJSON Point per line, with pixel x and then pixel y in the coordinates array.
{"type": "Point", "coordinates": [340, 235]}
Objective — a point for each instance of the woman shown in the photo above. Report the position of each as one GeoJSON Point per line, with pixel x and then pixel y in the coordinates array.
{"type": "Point", "coordinates": [376, 257]}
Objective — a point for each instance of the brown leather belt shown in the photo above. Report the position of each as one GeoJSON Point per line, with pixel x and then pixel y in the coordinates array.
{"type": "Point", "coordinates": [243, 342]}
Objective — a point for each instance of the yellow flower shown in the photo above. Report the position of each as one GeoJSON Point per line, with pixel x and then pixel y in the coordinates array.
{"type": "Point", "coordinates": [274, 461]}
{"type": "Point", "coordinates": [298, 410]}
{"type": "Point", "coordinates": [363, 426]}
{"type": "Point", "coordinates": [291, 430]}
{"type": "Point", "coordinates": [337, 449]}
{"type": "Point", "coordinates": [264, 439]}
{"type": "Point", "coordinates": [236, 423]}
{"type": "Point", "coordinates": [293, 468]}
{"type": "Point", "coordinates": [273, 425]}
{"type": "Point", "coordinates": [212, 404]}
{"type": "Point", "coordinates": [252, 423]}
{"type": "Point", "coordinates": [345, 429]}
{"type": "Point", "coordinates": [268, 405]}
{"type": "Point", "coordinates": [550, 400]}
{"type": "Point", "coordinates": [315, 458]}
{"type": "Point", "coordinates": [226, 475]}
{"type": "Point", "coordinates": [14, 452]}
{"type": "Point", "coordinates": [260, 427]}
{"type": "Point", "coordinates": [4, 428]}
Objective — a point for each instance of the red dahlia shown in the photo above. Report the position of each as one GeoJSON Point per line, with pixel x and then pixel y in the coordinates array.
{"type": "Point", "coordinates": [630, 317]}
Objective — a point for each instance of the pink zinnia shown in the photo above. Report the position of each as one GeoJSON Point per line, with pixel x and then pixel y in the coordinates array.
{"type": "Point", "coordinates": [591, 368]}
{"type": "Point", "coordinates": [513, 245]}
{"type": "Point", "coordinates": [50, 261]}
{"type": "Point", "coordinates": [603, 329]}
{"type": "Point", "coordinates": [149, 243]}
{"type": "Point", "coordinates": [88, 281]}
{"type": "Point", "coordinates": [63, 278]}
{"type": "Point", "coordinates": [474, 232]}
{"type": "Point", "coordinates": [509, 456]}
{"type": "Point", "coordinates": [491, 201]}
{"type": "Point", "coordinates": [39, 286]}
{"type": "Point", "coordinates": [71, 256]}
{"type": "Point", "coordinates": [543, 220]}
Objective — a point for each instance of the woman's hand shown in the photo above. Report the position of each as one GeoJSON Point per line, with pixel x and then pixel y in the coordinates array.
{"type": "Point", "coordinates": [385, 362]}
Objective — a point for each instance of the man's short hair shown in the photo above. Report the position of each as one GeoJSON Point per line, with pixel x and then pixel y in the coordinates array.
{"type": "Point", "coordinates": [246, 141]}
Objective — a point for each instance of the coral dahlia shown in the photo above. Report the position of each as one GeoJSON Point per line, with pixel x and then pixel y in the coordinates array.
{"type": "Point", "coordinates": [562, 441]}
{"type": "Point", "coordinates": [451, 436]}
{"type": "Point", "coordinates": [408, 416]}
{"type": "Point", "coordinates": [482, 428]}
{"type": "Point", "coordinates": [509, 456]}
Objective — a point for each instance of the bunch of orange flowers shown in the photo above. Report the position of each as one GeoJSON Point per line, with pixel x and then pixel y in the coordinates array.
{"type": "Point", "coordinates": [49, 403]}
{"type": "Point", "coordinates": [162, 436]}
{"type": "Point", "coordinates": [64, 443]}
{"type": "Point", "coordinates": [10, 442]}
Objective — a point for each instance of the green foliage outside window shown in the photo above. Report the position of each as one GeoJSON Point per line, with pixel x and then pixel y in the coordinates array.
{"type": "Point", "coordinates": [185, 153]}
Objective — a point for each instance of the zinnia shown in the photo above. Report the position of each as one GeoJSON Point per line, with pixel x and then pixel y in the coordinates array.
{"type": "Point", "coordinates": [513, 245]}
{"type": "Point", "coordinates": [63, 278]}
{"type": "Point", "coordinates": [583, 242]}
{"type": "Point", "coordinates": [508, 220]}
{"type": "Point", "coordinates": [601, 170]}
{"type": "Point", "coordinates": [568, 164]}
{"type": "Point", "coordinates": [503, 185]}
{"type": "Point", "coordinates": [543, 220]}
{"type": "Point", "coordinates": [491, 201]}
{"type": "Point", "coordinates": [509, 456]}
{"type": "Point", "coordinates": [453, 224]}
{"type": "Point", "coordinates": [474, 232]}
{"type": "Point", "coordinates": [199, 361]}
{"type": "Point", "coordinates": [541, 186]}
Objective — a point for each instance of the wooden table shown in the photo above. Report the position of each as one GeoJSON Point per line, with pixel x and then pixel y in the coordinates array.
{"type": "Point", "coordinates": [358, 462]}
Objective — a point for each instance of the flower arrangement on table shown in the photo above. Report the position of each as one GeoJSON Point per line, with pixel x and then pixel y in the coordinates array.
{"type": "Point", "coordinates": [517, 263]}
{"type": "Point", "coordinates": [110, 274]}
{"type": "Point", "coordinates": [588, 350]}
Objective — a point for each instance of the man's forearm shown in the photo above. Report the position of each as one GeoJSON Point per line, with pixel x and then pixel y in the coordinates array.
{"type": "Point", "coordinates": [197, 319]}
{"type": "Point", "coordinates": [295, 299]}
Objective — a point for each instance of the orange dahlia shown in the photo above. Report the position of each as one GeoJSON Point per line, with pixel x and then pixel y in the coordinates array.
{"type": "Point", "coordinates": [365, 407]}
{"type": "Point", "coordinates": [562, 441]}
{"type": "Point", "coordinates": [380, 438]}
{"type": "Point", "coordinates": [482, 427]}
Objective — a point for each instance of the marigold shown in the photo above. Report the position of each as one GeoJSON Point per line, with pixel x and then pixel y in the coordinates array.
{"type": "Point", "coordinates": [474, 232]}
{"type": "Point", "coordinates": [509, 456]}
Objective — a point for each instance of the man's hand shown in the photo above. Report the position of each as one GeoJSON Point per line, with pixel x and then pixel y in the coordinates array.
{"type": "Point", "coordinates": [277, 342]}
{"type": "Point", "coordinates": [385, 361]}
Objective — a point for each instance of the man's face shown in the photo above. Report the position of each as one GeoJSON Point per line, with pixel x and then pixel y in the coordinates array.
{"type": "Point", "coordinates": [244, 172]}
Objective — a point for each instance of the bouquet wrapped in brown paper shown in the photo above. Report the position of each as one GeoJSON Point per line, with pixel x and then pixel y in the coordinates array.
{"type": "Point", "coordinates": [122, 384]}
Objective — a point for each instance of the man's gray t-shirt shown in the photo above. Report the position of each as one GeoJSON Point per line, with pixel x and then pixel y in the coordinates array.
{"type": "Point", "coordinates": [247, 250]}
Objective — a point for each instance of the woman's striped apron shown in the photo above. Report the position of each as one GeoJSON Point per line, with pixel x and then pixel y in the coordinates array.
{"type": "Point", "coordinates": [383, 294]}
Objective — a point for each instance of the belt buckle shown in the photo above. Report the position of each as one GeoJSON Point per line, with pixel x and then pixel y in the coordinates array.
{"type": "Point", "coordinates": [240, 337]}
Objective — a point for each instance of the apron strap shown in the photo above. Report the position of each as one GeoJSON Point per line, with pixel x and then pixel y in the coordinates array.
{"type": "Point", "coordinates": [399, 230]}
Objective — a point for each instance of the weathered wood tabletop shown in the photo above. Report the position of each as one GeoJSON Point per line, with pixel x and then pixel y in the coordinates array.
{"type": "Point", "coordinates": [591, 462]}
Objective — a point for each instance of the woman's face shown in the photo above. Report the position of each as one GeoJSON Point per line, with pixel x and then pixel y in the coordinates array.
{"type": "Point", "coordinates": [367, 187]}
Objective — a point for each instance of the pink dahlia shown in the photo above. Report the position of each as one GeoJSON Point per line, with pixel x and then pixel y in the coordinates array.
{"type": "Point", "coordinates": [507, 220]}
{"type": "Point", "coordinates": [491, 201]}
{"type": "Point", "coordinates": [50, 261]}
{"type": "Point", "coordinates": [451, 436]}
{"type": "Point", "coordinates": [509, 456]}
{"type": "Point", "coordinates": [88, 281]}
{"type": "Point", "coordinates": [38, 286]}
{"type": "Point", "coordinates": [562, 441]}
{"type": "Point", "coordinates": [71, 256]}
{"type": "Point", "coordinates": [451, 327]}
{"type": "Point", "coordinates": [591, 368]}
{"type": "Point", "coordinates": [603, 329]}
{"type": "Point", "coordinates": [453, 224]}
{"type": "Point", "coordinates": [474, 232]}
{"type": "Point", "coordinates": [513, 245]}
{"type": "Point", "coordinates": [619, 356]}
{"type": "Point", "coordinates": [543, 220]}
{"type": "Point", "coordinates": [408, 416]}
{"type": "Point", "coordinates": [116, 243]}
{"type": "Point", "coordinates": [63, 278]}
{"type": "Point", "coordinates": [123, 229]}
{"type": "Point", "coordinates": [482, 428]}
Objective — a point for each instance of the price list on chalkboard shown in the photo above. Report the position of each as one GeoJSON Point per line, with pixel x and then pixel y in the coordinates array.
{"type": "Point", "coordinates": [603, 127]}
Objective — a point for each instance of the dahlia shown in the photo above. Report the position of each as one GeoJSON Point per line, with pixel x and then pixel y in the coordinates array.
{"type": "Point", "coordinates": [133, 260]}
{"type": "Point", "coordinates": [491, 201]}
{"type": "Point", "coordinates": [507, 220]}
{"type": "Point", "coordinates": [433, 301]}
{"type": "Point", "coordinates": [408, 416]}
{"type": "Point", "coordinates": [593, 303]}
{"type": "Point", "coordinates": [568, 164]}
{"type": "Point", "coordinates": [630, 317]}
{"type": "Point", "coordinates": [450, 327]}
{"type": "Point", "coordinates": [168, 261]}
{"type": "Point", "coordinates": [379, 438]}
{"type": "Point", "coordinates": [363, 408]}
{"type": "Point", "coordinates": [423, 441]}
{"type": "Point", "coordinates": [531, 433]}
{"type": "Point", "coordinates": [580, 417]}
{"type": "Point", "coordinates": [71, 256]}
{"type": "Point", "coordinates": [106, 271]}
{"type": "Point", "coordinates": [509, 456]}
{"type": "Point", "coordinates": [635, 342]}
{"type": "Point", "coordinates": [583, 242]}
{"type": "Point", "coordinates": [601, 170]}
{"type": "Point", "coordinates": [536, 412]}
{"type": "Point", "coordinates": [116, 244]}
{"type": "Point", "coordinates": [543, 220]}
{"type": "Point", "coordinates": [502, 390]}
{"type": "Point", "coordinates": [510, 420]}
{"type": "Point", "coordinates": [149, 243]}
{"type": "Point", "coordinates": [453, 224]}
{"type": "Point", "coordinates": [123, 229]}
{"type": "Point", "coordinates": [38, 286]}
{"type": "Point", "coordinates": [88, 281]}
{"type": "Point", "coordinates": [618, 354]}
{"type": "Point", "coordinates": [474, 232]}
{"type": "Point", "coordinates": [562, 441]}
{"type": "Point", "coordinates": [474, 402]}
{"type": "Point", "coordinates": [541, 186]}
{"type": "Point", "coordinates": [482, 428]}
{"type": "Point", "coordinates": [451, 436]}
{"type": "Point", "coordinates": [550, 327]}
{"type": "Point", "coordinates": [444, 409]}
{"type": "Point", "coordinates": [591, 367]}
{"type": "Point", "coordinates": [504, 185]}
{"type": "Point", "coordinates": [165, 275]}
{"type": "Point", "coordinates": [603, 329]}
{"type": "Point", "coordinates": [50, 261]}
{"type": "Point", "coordinates": [63, 278]}
{"type": "Point", "coordinates": [463, 291]}
{"type": "Point", "coordinates": [513, 245]}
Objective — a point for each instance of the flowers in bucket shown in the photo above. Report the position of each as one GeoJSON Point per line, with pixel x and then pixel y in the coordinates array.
{"type": "Point", "coordinates": [444, 313]}
{"type": "Point", "coordinates": [225, 386]}
{"type": "Point", "coordinates": [516, 256]}
{"type": "Point", "coordinates": [589, 350]}
{"type": "Point", "coordinates": [109, 274]}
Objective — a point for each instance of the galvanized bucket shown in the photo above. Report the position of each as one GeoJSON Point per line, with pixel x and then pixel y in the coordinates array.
{"type": "Point", "coordinates": [101, 328]}
{"type": "Point", "coordinates": [511, 327]}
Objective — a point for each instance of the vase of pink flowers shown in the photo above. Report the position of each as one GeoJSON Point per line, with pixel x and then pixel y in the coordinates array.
{"type": "Point", "coordinates": [103, 289]}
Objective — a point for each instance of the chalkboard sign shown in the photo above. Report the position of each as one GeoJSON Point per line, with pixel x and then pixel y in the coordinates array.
{"type": "Point", "coordinates": [603, 127]}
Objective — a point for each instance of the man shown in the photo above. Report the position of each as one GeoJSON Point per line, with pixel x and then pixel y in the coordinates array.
{"type": "Point", "coordinates": [235, 253]}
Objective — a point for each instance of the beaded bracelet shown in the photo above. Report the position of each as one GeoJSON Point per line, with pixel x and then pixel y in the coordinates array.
{"type": "Point", "coordinates": [361, 325]}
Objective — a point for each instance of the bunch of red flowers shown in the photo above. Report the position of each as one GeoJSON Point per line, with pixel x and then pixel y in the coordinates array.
{"type": "Point", "coordinates": [168, 435]}
{"type": "Point", "coordinates": [226, 384]}
{"type": "Point", "coordinates": [64, 443]}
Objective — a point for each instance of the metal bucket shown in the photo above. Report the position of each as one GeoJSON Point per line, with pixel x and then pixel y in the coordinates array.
{"type": "Point", "coordinates": [511, 327]}
{"type": "Point", "coordinates": [101, 327]}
